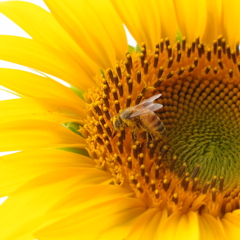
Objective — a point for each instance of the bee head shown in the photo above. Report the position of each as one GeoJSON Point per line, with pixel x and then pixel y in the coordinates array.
{"type": "Point", "coordinates": [117, 123]}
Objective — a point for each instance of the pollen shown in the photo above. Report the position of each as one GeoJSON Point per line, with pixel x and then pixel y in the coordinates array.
{"type": "Point", "coordinates": [195, 165]}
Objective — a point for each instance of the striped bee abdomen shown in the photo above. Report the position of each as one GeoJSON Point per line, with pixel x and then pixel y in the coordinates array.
{"type": "Point", "coordinates": [153, 124]}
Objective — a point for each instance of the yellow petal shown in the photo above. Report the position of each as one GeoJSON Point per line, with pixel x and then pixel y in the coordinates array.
{"type": "Point", "coordinates": [32, 85]}
{"type": "Point", "coordinates": [168, 19]}
{"type": "Point", "coordinates": [82, 28]}
{"type": "Point", "coordinates": [176, 225]}
{"type": "Point", "coordinates": [98, 212]}
{"type": "Point", "coordinates": [95, 194]}
{"type": "Point", "coordinates": [210, 228]}
{"type": "Point", "coordinates": [33, 54]}
{"type": "Point", "coordinates": [29, 134]}
{"type": "Point", "coordinates": [214, 21]}
{"type": "Point", "coordinates": [113, 26]}
{"type": "Point", "coordinates": [189, 222]}
{"type": "Point", "coordinates": [19, 168]}
{"type": "Point", "coordinates": [142, 20]}
{"type": "Point", "coordinates": [231, 223]}
{"type": "Point", "coordinates": [48, 109]}
{"type": "Point", "coordinates": [42, 27]}
{"type": "Point", "coordinates": [231, 21]}
{"type": "Point", "coordinates": [192, 17]}
{"type": "Point", "coordinates": [147, 225]}
{"type": "Point", "coordinates": [24, 210]}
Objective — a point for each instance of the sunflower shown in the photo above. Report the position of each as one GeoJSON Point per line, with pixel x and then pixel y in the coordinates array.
{"type": "Point", "coordinates": [77, 174]}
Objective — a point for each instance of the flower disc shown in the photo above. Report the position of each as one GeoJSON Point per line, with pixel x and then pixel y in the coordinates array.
{"type": "Point", "coordinates": [195, 165]}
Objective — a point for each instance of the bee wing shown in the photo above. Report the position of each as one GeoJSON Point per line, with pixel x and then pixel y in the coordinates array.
{"type": "Point", "coordinates": [141, 110]}
{"type": "Point", "coordinates": [146, 106]}
{"type": "Point", "coordinates": [148, 101]}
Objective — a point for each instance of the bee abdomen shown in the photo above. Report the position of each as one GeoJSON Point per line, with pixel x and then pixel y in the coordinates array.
{"type": "Point", "coordinates": [161, 128]}
{"type": "Point", "coordinates": [153, 123]}
{"type": "Point", "coordinates": [158, 126]}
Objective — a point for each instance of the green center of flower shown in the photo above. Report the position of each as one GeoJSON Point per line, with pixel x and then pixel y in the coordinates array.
{"type": "Point", "coordinates": [207, 131]}
{"type": "Point", "coordinates": [195, 165]}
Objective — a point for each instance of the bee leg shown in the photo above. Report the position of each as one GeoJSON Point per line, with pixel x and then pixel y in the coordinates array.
{"type": "Point", "coordinates": [149, 139]}
{"type": "Point", "coordinates": [144, 135]}
{"type": "Point", "coordinates": [134, 134]}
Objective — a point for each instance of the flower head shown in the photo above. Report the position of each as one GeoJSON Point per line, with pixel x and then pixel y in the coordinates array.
{"type": "Point", "coordinates": [143, 144]}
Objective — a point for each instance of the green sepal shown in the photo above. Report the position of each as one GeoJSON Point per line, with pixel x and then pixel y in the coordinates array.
{"type": "Point", "coordinates": [78, 92]}
{"type": "Point", "coordinates": [80, 151]}
{"type": "Point", "coordinates": [131, 49]}
{"type": "Point", "coordinates": [138, 48]}
{"type": "Point", "coordinates": [102, 72]}
{"type": "Point", "coordinates": [74, 127]}
{"type": "Point", "coordinates": [179, 36]}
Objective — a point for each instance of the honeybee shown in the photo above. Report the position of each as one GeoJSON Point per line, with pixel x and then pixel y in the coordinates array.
{"type": "Point", "coordinates": [141, 116]}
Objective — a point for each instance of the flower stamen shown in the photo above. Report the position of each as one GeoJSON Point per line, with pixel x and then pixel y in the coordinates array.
{"type": "Point", "coordinates": [181, 170]}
